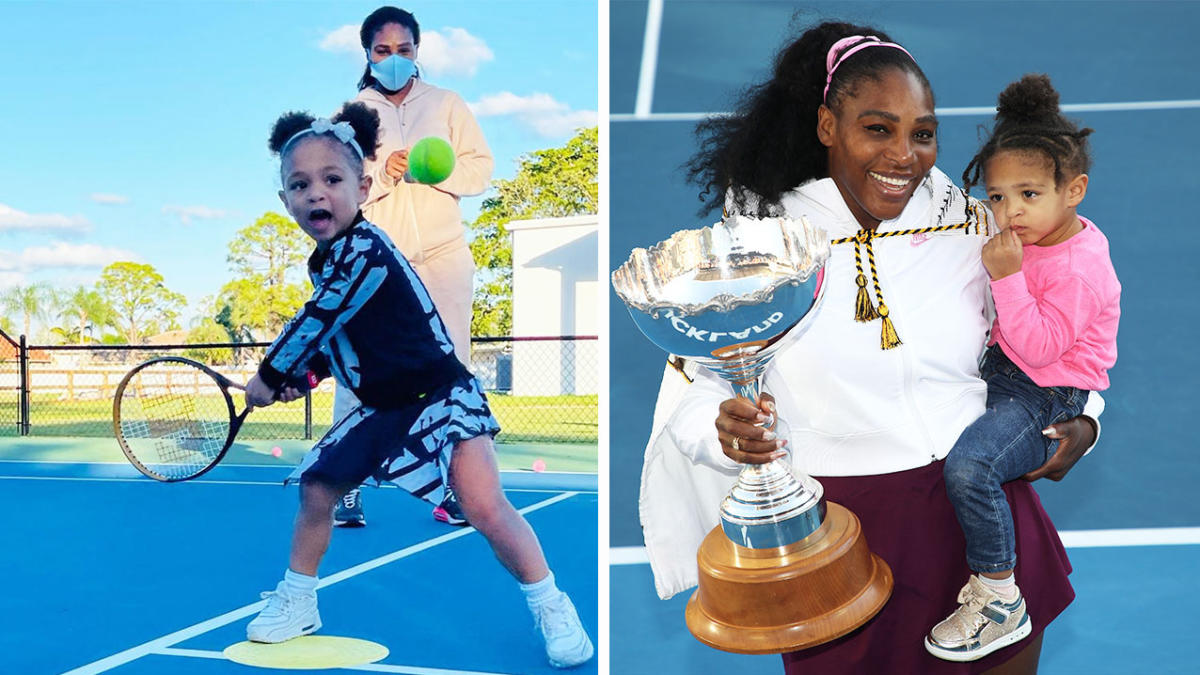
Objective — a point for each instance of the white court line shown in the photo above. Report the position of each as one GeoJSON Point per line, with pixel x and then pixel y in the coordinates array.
{"type": "Point", "coordinates": [1148, 536]}
{"type": "Point", "coordinates": [369, 667]}
{"type": "Point", "coordinates": [645, 90]}
{"type": "Point", "coordinates": [158, 644]}
{"type": "Point", "coordinates": [208, 481]}
{"type": "Point", "coordinates": [639, 116]}
{"type": "Point", "coordinates": [142, 480]}
{"type": "Point", "coordinates": [511, 480]}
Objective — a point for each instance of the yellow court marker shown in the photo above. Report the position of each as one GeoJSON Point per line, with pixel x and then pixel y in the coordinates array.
{"type": "Point", "coordinates": [309, 652]}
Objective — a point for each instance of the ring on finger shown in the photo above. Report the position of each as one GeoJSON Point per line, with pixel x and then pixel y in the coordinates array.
{"type": "Point", "coordinates": [734, 444]}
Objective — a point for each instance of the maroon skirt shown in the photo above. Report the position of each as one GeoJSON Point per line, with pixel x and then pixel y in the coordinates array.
{"type": "Point", "coordinates": [908, 521]}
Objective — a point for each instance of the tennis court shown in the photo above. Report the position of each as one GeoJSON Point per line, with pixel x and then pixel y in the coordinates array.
{"type": "Point", "coordinates": [109, 571]}
{"type": "Point", "coordinates": [1128, 517]}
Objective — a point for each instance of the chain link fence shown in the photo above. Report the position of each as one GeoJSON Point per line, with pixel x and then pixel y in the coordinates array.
{"type": "Point", "coordinates": [542, 390]}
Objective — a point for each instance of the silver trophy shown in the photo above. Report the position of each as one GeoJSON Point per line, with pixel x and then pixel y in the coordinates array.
{"type": "Point", "coordinates": [728, 297]}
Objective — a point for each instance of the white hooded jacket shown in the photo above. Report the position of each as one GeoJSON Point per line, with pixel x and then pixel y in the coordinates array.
{"type": "Point", "coordinates": [426, 111]}
{"type": "Point", "coordinates": [852, 407]}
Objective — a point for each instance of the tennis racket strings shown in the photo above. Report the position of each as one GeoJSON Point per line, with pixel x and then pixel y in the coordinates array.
{"type": "Point", "coordinates": [174, 418]}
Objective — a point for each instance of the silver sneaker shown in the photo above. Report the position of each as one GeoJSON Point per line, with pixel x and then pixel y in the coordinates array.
{"type": "Point", "coordinates": [567, 643]}
{"type": "Point", "coordinates": [284, 617]}
{"type": "Point", "coordinates": [982, 624]}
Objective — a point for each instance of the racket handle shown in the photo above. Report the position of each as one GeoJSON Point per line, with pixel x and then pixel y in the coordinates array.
{"type": "Point", "coordinates": [306, 381]}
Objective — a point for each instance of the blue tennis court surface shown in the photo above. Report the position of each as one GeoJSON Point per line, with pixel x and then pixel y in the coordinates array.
{"type": "Point", "coordinates": [1124, 68]}
{"type": "Point", "coordinates": [110, 572]}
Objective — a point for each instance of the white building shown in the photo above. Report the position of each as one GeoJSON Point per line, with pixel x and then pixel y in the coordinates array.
{"type": "Point", "coordinates": [555, 294]}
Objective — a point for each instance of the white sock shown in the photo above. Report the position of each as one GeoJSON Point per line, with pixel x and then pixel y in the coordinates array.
{"type": "Point", "coordinates": [1006, 588]}
{"type": "Point", "coordinates": [299, 585]}
{"type": "Point", "coordinates": [539, 592]}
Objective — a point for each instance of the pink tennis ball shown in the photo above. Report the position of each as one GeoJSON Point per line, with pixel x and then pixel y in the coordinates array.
{"type": "Point", "coordinates": [277, 451]}
{"type": "Point", "coordinates": [539, 465]}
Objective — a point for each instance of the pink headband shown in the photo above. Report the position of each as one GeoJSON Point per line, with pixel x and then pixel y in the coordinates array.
{"type": "Point", "coordinates": [834, 59]}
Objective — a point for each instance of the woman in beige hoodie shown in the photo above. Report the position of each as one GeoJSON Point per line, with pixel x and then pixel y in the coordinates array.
{"type": "Point", "coordinates": [423, 221]}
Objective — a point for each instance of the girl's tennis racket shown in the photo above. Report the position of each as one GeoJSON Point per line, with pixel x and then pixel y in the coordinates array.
{"type": "Point", "coordinates": [175, 418]}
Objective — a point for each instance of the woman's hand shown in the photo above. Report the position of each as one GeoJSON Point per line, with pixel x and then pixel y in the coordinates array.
{"type": "Point", "coordinates": [1074, 436]}
{"type": "Point", "coordinates": [258, 394]}
{"type": "Point", "coordinates": [741, 439]}
{"type": "Point", "coordinates": [397, 165]}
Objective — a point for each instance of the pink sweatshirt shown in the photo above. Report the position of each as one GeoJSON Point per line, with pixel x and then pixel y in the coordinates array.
{"type": "Point", "coordinates": [1057, 318]}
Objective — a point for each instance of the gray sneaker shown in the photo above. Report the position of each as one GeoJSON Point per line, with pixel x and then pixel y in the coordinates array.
{"type": "Point", "coordinates": [349, 512]}
{"type": "Point", "coordinates": [982, 624]}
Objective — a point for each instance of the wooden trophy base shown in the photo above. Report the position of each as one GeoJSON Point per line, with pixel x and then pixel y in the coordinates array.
{"type": "Point", "coordinates": [770, 601]}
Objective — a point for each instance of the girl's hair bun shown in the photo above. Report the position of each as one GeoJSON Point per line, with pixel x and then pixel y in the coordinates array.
{"type": "Point", "coordinates": [1030, 100]}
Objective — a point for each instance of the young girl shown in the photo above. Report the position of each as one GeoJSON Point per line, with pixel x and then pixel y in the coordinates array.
{"type": "Point", "coordinates": [372, 326]}
{"type": "Point", "coordinates": [1054, 339]}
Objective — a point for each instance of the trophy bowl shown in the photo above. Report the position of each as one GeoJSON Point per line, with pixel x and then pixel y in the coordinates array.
{"type": "Point", "coordinates": [784, 570]}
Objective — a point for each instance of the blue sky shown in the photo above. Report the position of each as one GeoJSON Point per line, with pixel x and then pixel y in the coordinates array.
{"type": "Point", "coordinates": [137, 130]}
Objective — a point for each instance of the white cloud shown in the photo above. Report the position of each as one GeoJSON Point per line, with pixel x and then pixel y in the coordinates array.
{"type": "Point", "coordinates": [63, 255]}
{"type": "Point", "coordinates": [188, 213]}
{"type": "Point", "coordinates": [453, 51]}
{"type": "Point", "coordinates": [541, 112]}
{"type": "Point", "coordinates": [449, 51]}
{"type": "Point", "coordinates": [344, 39]}
{"type": "Point", "coordinates": [10, 279]}
{"type": "Point", "coordinates": [12, 219]}
{"type": "Point", "coordinates": [107, 198]}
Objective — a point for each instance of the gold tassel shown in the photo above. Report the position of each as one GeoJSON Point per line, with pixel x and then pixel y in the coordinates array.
{"type": "Point", "coordinates": [864, 311]}
{"type": "Point", "coordinates": [888, 338]}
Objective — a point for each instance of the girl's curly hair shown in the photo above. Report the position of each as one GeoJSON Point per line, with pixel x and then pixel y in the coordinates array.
{"type": "Point", "coordinates": [362, 119]}
{"type": "Point", "coordinates": [1028, 119]}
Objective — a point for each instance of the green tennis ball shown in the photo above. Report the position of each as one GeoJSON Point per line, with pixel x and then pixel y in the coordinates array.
{"type": "Point", "coordinates": [431, 160]}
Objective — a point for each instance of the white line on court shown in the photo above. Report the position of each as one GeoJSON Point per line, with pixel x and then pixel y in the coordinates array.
{"type": "Point", "coordinates": [645, 90]}
{"type": "Point", "coordinates": [370, 667]}
{"type": "Point", "coordinates": [164, 642]}
{"type": "Point", "coordinates": [207, 481]}
{"type": "Point", "coordinates": [1148, 536]}
{"type": "Point", "coordinates": [512, 480]}
{"type": "Point", "coordinates": [646, 116]}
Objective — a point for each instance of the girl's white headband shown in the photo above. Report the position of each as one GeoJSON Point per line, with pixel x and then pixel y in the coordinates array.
{"type": "Point", "coordinates": [341, 131]}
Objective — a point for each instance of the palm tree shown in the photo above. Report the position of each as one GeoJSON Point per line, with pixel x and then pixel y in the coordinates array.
{"type": "Point", "coordinates": [33, 301]}
{"type": "Point", "coordinates": [87, 310]}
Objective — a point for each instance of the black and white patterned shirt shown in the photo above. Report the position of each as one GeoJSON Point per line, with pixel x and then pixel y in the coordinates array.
{"type": "Point", "coordinates": [370, 323]}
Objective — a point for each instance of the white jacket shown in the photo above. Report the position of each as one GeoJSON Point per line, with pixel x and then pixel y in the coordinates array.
{"type": "Point", "coordinates": [395, 205]}
{"type": "Point", "coordinates": [852, 408]}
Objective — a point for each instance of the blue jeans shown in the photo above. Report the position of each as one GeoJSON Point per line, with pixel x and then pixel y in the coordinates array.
{"type": "Point", "coordinates": [1005, 443]}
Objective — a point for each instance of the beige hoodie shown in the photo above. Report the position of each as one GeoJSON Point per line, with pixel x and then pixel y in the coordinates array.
{"type": "Point", "coordinates": [421, 218]}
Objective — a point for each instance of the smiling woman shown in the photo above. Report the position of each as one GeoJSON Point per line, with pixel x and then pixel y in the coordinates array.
{"type": "Point", "coordinates": [844, 133]}
{"type": "Point", "coordinates": [881, 143]}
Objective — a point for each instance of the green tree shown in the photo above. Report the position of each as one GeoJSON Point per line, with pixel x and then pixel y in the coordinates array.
{"type": "Point", "coordinates": [551, 183]}
{"type": "Point", "coordinates": [209, 331]}
{"type": "Point", "coordinates": [267, 259]}
{"type": "Point", "coordinates": [83, 312]}
{"type": "Point", "coordinates": [142, 305]}
{"type": "Point", "coordinates": [34, 301]}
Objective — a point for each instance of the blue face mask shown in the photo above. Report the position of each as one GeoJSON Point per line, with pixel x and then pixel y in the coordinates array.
{"type": "Point", "coordinates": [393, 72]}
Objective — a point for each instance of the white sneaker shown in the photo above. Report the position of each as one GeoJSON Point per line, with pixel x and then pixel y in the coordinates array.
{"type": "Point", "coordinates": [567, 644]}
{"type": "Point", "coordinates": [284, 617]}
